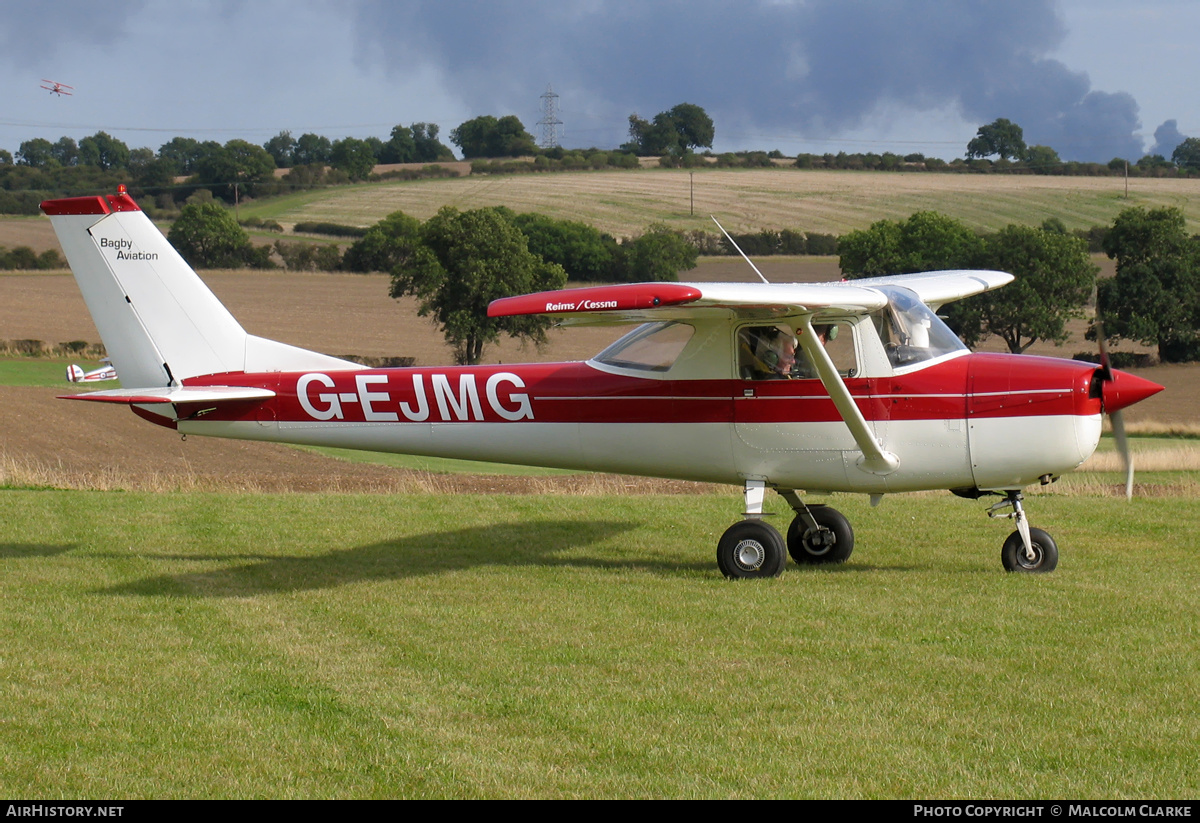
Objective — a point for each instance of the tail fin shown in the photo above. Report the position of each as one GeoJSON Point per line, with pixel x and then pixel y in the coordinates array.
{"type": "Point", "coordinates": [157, 319]}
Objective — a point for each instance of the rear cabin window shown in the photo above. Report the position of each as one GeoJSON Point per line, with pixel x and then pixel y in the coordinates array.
{"type": "Point", "coordinates": [653, 347]}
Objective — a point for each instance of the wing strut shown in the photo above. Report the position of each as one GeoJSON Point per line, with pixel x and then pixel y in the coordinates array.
{"type": "Point", "coordinates": [874, 460]}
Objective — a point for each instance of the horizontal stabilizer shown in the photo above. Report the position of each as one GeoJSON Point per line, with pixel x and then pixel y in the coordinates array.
{"type": "Point", "coordinates": [197, 394]}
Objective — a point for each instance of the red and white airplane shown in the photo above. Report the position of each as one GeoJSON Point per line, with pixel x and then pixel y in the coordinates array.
{"type": "Point", "coordinates": [879, 397]}
{"type": "Point", "coordinates": [57, 88]}
{"type": "Point", "coordinates": [76, 374]}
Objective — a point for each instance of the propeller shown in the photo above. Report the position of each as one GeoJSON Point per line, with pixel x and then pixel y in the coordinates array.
{"type": "Point", "coordinates": [1108, 379]}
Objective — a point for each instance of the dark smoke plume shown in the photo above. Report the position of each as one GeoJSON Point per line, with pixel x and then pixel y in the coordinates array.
{"type": "Point", "coordinates": [813, 70]}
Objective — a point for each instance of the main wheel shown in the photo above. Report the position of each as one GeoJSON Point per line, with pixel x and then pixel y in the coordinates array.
{"type": "Point", "coordinates": [1044, 549]}
{"type": "Point", "coordinates": [751, 548]}
{"type": "Point", "coordinates": [831, 542]}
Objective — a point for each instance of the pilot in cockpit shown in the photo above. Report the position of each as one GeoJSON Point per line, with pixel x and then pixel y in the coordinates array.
{"type": "Point", "coordinates": [769, 352]}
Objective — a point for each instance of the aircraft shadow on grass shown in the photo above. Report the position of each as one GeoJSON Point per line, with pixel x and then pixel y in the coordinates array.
{"type": "Point", "coordinates": [545, 543]}
{"type": "Point", "coordinates": [19, 550]}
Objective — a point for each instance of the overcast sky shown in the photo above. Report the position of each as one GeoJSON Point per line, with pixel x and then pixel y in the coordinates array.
{"type": "Point", "coordinates": [1093, 79]}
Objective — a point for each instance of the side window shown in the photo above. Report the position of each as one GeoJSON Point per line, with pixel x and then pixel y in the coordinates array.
{"type": "Point", "coordinates": [838, 339]}
{"type": "Point", "coordinates": [650, 347]}
{"type": "Point", "coordinates": [774, 353]}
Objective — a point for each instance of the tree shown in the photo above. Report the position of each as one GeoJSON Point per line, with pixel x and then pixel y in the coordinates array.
{"type": "Point", "coordinates": [1155, 296]}
{"type": "Point", "coordinates": [103, 150]}
{"type": "Point", "coordinates": [486, 136]}
{"type": "Point", "coordinates": [1187, 154]}
{"type": "Point", "coordinates": [387, 246]}
{"type": "Point", "coordinates": [150, 172]}
{"type": "Point", "coordinates": [401, 147]}
{"type": "Point", "coordinates": [1000, 137]}
{"type": "Point", "coordinates": [428, 148]}
{"type": "Point", "coordinates": [65, 151]}
{"type": "Point", "coordinates": [281, 147]}
{"type": "Point", "coordinates": [584, 252]}
{"type": "Point", "coordinates": [658, 254]}
{"type": "Point", "coordinates": [677, 131]}
{"type": "Point", "coordinates": [1042, 158]}
{"type": "Point", "coordinates": [465, 261]}
{"type": "Point", "coordinates": [1054, 280]}
{"type": "Point", "coordinates": [926, 241]}
{"type": "Point", "coordinates": [186, 153]}
{"type": "Point", "coordinates": [310, 149]}
{"type": "Point", "coordinates": [208, 236]}
{"type": "Point", "coordinates": [38, 152]}
{"type": "Point", "coordinates": [353, 156]}
{"type": "Point", "coordinates": [234, 169]}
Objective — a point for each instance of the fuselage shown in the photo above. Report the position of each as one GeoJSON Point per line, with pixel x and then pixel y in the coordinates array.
{"type": "Point", "coordinates": [975, 420]}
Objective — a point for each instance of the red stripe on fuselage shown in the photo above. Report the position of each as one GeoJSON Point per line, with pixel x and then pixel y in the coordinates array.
{"type": "Point", "coordinates": [974, 386]}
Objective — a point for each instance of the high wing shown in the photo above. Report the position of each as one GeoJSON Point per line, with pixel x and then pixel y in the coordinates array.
{"type": "Point", "coordinates": [641, 302]}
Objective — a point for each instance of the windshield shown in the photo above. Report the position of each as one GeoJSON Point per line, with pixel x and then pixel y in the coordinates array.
{"type": "Point", "coordinates": [910, 332]}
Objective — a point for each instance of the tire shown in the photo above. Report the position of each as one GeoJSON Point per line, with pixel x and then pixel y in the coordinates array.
{"type": "Point", "coordinates": [832, 544]}
{"type": "Point", "coordinates": [751, 548]}
{"type": "Point", "coordinates": [1013, 554]}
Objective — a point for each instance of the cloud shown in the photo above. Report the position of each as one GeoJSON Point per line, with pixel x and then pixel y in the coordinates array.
{"type": "Point", "coordinates": [38, 33]}
{"type": "Point", "coordinates": [812, 69]}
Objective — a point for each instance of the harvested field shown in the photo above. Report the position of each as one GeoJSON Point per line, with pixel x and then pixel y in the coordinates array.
{"type": "Point", "coordinates": [834, 202]}
{"type": "Point", "coordinates": [48, 442]}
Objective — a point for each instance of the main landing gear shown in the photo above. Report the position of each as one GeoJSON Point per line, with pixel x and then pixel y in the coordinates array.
{"type": "Point", "coordinates": [1027, 549]}
{"type": "Point", "coordinates": [755, 548]}
{"type": "Point", "coordinates": [820, 534]}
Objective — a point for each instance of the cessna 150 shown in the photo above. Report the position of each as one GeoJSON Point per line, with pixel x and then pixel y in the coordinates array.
{"type": "Point", "coordinates": [828, 387]}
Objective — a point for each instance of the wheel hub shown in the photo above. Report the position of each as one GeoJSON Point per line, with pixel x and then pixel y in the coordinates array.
{"type": "Point", "coordinates": [1028, 562]}
{"type": "Point", "coordinates": [749, 555]}
{"type": "Point", "coordinates": [819, 541]}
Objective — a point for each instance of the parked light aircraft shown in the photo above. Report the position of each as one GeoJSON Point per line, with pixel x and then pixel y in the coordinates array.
{"type": "Point", "coordinates": [816, 388]}
{"type": "Point", "coordinates": [76, 374]}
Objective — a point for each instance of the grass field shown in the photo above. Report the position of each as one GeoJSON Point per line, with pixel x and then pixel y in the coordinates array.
{"type": "Point", "coordinates": [624, 203]}
{"type": "Point", "coordinates": [539, 643]}
{"type": "Point", "coordinates": [482, 646]}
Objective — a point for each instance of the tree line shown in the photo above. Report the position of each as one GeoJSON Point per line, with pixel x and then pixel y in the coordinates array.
{"type": "Point", "coordinates": [1154, 299]}
{"type": "Point", "coordinates": [239, 169]}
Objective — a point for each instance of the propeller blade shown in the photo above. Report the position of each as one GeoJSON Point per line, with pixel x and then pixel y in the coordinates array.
{"type": "Point", "coordinates": [1118, 426]}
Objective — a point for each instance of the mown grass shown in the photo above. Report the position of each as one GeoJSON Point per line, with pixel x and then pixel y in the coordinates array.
{"type": "Point", "coordinates": [208, 645]}
{"type": "Point", "coordinates": [28, 371]}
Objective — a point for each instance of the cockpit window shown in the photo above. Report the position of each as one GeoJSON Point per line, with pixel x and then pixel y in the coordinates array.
{"type": "Point", "coordinates": [651, 347]}
{"type": "Point", "coordinates": [775, 353]}
{"type": "Point", "coordinates": [910, 332]}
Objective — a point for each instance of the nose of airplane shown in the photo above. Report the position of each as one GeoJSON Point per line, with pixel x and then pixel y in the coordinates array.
{"type": "Point", "coordinates": [1125, 389]}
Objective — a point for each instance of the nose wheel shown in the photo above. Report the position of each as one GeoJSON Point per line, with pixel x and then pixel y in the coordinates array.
{"type": "Point", "coordinates": [1027, 549]}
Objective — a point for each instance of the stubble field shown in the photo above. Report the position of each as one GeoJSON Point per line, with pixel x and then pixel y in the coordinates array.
{"type": "Point", "coordinates": [831, 202]}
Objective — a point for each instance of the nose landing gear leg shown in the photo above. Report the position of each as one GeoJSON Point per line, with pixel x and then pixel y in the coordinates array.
{"type": "Point", "coordinates": [1027, 549]}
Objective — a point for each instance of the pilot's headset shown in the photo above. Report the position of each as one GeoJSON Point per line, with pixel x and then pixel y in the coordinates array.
{"type": "Point", "coordinates": [772, 346]}
{"type": "Point", "coordinates": [829, 331]}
